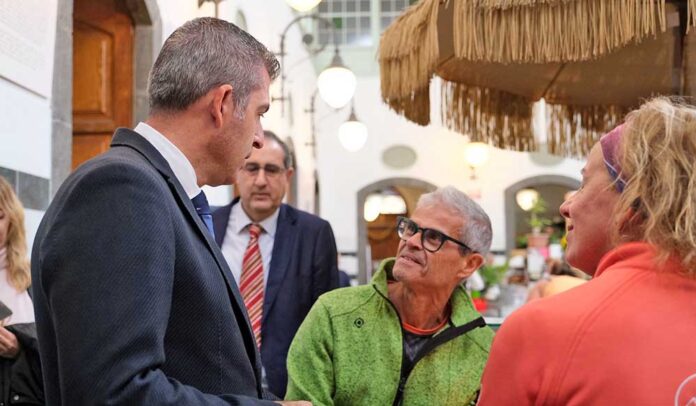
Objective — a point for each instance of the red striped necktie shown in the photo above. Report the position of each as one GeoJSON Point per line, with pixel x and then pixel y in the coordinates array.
{"type": "Point", "coordinates": [251, 281]}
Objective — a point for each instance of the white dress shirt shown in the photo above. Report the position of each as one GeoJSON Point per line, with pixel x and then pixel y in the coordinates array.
{"type": "Point", "coordinates": [182, 168]}
{"type": "Point", "coordinates": [237, 238]}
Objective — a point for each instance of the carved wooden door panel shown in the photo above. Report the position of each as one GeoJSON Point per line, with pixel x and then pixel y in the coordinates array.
{"type": "Point", "coordinates": [102, 75]}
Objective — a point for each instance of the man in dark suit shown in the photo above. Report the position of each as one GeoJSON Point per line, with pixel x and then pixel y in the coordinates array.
{"type": "Point", "coordinates": [134, 302]}
{"type": "Point", "coordinates": [295, 254]}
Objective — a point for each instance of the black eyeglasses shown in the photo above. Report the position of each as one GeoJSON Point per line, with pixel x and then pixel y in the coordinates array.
{"type": "Point", "coordinates": [272, 171]}
{"type": "Point", "coordinates": [431, 240]}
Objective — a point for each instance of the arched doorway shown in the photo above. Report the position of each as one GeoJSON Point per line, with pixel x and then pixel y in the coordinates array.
{"type": "Point", "coordinates": [551, 187]}
{"type": "Point", "coordinates": [383, 238]}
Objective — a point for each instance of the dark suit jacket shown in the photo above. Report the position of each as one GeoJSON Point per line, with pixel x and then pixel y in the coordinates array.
{"type": "Point", "coordinates": [303, 266]}
{"type": "Point", "coordinates": [134, 302]}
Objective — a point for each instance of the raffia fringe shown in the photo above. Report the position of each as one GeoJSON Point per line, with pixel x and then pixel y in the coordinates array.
{"type": "Point", "coordinates": [573, 130]}
{"type": "Point", "coordinates": [508, 31]}
{"type": "Point", "coordinates": [498, 118]}
{"type": "Point", "coordinates": [408, 54]}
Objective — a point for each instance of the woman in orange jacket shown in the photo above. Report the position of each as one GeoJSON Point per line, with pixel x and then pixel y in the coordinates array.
{"type": "Point", "coordinates": [627, 337]}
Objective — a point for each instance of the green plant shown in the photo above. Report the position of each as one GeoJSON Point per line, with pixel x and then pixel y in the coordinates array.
{"type": "Point", "coordinates": [536, 220]}
{"type": "Point", "coordinates": [521, 241]}
{"type": "Point", "coordinates": [493, 274]}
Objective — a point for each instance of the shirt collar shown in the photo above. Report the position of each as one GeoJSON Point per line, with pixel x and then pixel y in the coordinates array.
{"type": "Point", "coordinates": [182, 168]}
{"type": "Point", "coordinates": [241, 220]}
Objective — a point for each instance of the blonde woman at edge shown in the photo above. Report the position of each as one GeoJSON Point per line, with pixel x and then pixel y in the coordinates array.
{"type": "Point", "coordinates": [14, 268]}
{"type": "Point", "coordinates": [20, 375]}
{"type": "Point", "coordinates": [628, 336]}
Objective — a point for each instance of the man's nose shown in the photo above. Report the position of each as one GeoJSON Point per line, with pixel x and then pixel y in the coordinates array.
{"type": "Point", "coordinates": [415, 241]}
{"type": "Point", "coordinates": [258, 139]}
{"type": "Point", "coordinates": [261, 177]}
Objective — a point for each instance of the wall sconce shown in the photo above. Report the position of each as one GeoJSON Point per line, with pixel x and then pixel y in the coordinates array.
{"type": "Point", "coordinates": [476, 154]}
{"type": "Point", "coordinates": [352, 134]}
{"type": "Point", "coordinates": [303, 5]}
{"type": "Point", "coordinates": [526, 198]}
{"type": "Point", "coordinates": [336, 83]}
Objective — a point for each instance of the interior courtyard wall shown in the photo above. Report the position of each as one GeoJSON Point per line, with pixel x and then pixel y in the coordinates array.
{"type": "Point", "coordinates": [440, 161]}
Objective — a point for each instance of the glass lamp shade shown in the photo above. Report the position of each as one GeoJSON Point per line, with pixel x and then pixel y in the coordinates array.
{"type": "Point", "coordinates": [372, 207]}
{"type": "Point", "coordinates": [336, 83]}
{"type": "Point", "coordinates": [352, 134]}
{"type": "Point", "coordinates": [336, 86]}
{"type": "Point", "coordinates": [476, 154]}
{"type": "Point", "coordinates": [526, 198]}
{"type": "Point", "coordinates": [303, 5]}
{"type": "Point", "coordinates": [393, 204]}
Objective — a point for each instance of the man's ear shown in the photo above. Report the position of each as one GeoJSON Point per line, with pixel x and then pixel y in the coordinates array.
{"type": "Point", "coordinates": [470, 263]}
{"type": "Point", "coordinates": [222, 104]}
{"type": "Point", "coordinates": [289, 172]}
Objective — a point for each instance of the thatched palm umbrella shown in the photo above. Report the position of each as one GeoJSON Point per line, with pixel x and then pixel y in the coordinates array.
{"type": "Point", "coordinates": [591, 60]}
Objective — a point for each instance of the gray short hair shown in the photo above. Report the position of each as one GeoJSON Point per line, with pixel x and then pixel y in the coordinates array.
{"type": "Point", "coordinates": [476, 231]}
{"type": "Point", "coordinates": [205, 53]}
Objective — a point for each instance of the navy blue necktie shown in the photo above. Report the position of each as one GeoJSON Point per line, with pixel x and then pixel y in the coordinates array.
{"type": "Point", "coordinates": [203, 209]}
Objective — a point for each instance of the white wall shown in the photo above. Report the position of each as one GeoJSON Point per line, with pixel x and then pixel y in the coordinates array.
{"type": "Point", "coordinates": [25, 130]}
{"type": "Point", "coordinates": [440, 161]}
{"type": "Point", "coordinates": [26, 78]}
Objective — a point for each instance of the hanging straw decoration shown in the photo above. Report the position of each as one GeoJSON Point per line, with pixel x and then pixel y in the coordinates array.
{"type": "Point", "coordinates": [513, 31]}
{"type": "Point", "coordinates": [573, 130]}
{"type": "Point", "coordinates": [541, 31]}
{"type": "Point", "coordinates": [408, 54]}
{"type": "Point", "coordinates": [498, 118]}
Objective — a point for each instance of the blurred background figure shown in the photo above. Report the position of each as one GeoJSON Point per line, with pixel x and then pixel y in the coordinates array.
{"type": "Point", "coordinates": [20, 374]}
{"type": "Point", "coordinates": [561, 277]}
{"type": "Point", "coordinates": [282, 258]}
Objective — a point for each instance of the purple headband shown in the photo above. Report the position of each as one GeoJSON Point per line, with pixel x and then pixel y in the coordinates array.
{"type": "Point", "coordinates": [610, 150]}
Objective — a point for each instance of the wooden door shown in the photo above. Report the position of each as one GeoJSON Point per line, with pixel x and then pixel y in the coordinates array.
{"type": "Point", "coordinates": [102, 75]}
{"type": "Point", "coordinates": [382, 237]}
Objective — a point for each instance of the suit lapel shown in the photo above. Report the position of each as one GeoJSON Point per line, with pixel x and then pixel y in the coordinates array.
{"type": "Point", "coordinates": [286, 234]}
{"type": "Point", "coordinates": [131, 139]}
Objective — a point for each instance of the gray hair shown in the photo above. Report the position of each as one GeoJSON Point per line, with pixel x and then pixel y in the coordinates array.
{"type": "Point", "coordinates": [476, 232]}
{"type": "Point", "coordinates": [205, 53]}
{"type": "Point", "coordinates": [287, 156]}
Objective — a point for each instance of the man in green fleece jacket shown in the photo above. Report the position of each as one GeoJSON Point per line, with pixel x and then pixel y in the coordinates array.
{"type": "Point", "coordinates": [412, 336]}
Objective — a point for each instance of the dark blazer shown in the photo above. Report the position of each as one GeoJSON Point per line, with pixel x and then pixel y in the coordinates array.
{"type": "Point", "coordinates": [303, 266]}
{"type": "Point", "coordinates": [134, 302]}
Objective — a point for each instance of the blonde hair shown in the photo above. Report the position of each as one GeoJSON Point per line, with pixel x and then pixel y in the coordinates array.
{"type": "Point", "coordinates": [17, 262]}
{"type": "Point", "coordinates": [658, 161]}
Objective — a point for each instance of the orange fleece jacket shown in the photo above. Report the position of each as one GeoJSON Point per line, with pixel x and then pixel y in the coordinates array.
{"type": "Point", "coordinates": [627, 337]}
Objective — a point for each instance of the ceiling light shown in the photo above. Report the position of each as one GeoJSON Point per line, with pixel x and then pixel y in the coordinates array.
{"type": "Point", "coordinates": [336, 83]}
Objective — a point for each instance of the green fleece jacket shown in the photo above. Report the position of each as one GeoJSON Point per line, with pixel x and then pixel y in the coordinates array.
{"type": "Point", "coordinates": [349, 349]}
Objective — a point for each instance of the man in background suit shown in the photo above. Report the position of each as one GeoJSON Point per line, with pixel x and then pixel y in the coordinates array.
{"type": "Point", "coordinates": [134, 302]}
{"type": "Point", "coordinates": [282, 270]}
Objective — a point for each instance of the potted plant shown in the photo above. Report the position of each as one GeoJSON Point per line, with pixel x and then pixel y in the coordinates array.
{"type": "Point", "coordinates": [537, 222]}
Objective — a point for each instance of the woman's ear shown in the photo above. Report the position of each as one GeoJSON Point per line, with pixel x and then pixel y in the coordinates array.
{"type": "Point", "coordinates": [632, 219]}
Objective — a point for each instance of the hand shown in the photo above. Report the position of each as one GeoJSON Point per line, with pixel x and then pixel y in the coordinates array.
{"type": "Point", "coordinates": [9, 346]}
{"type": "Point", "coordinates": [294, 403]}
